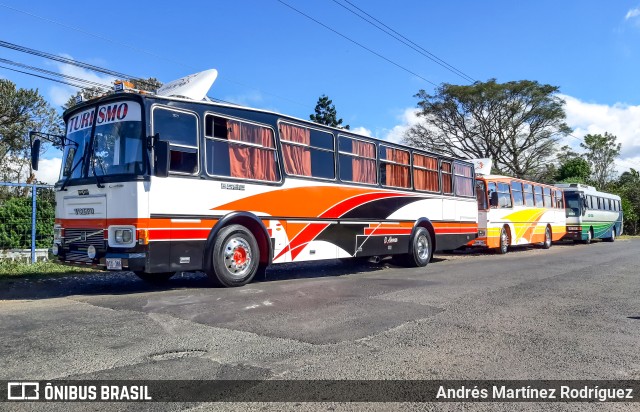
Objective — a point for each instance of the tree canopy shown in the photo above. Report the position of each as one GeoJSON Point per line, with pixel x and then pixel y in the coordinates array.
{"type": "Point", "coordinates": [601, 152]}
{"type": "Point", "coordinates": [325, 113]}
{"type": "Point", "coordinates": [517, 124]}
{"type": "Point", "coordinates": [21, 111]}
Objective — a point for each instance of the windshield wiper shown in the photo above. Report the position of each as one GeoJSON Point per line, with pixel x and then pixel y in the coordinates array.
{"type": "Point", "coordinates": [93, 161]}
{"type": "Point", "coordinates": [64, 184]}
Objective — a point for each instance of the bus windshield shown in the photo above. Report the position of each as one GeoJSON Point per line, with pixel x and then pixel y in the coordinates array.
{"type": "Point", "coordinates": [117, 145]}
{"type": "Point", "coordinates": [573, 204]}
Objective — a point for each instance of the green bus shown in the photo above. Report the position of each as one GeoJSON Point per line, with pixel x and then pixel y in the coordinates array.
{"type": "Point", "coordinates": [591, 214]}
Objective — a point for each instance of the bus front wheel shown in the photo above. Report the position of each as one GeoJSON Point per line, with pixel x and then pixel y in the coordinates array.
{"type": "Point", "coordinates": [547, 238]}
{"type": "Point", "coordinates": [504, 241]}
{"type": "Point", "coordinates": [589, 237]}
{"type": "Point", "coordinates": [236, 257]}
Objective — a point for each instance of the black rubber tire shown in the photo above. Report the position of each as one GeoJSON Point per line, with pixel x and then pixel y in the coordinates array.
{"type": "Point", "coordinates": [613, 236]}
{"type": "Point", "coordinates": [155, 278]}
{"type": "Point", "coordinates": [505, 240]}
{"type": "Point", "coordinates": [229, 240]}
{"type": "Point", "coordinates": [420, 251]}
{"type": "Point", "coordinates": [547, 238]}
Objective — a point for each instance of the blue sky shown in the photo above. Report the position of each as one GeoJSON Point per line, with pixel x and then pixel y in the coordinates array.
{"type": "Point", "coordinates": [271, 57]}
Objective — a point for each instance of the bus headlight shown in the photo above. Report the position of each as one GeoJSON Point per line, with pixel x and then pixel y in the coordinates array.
{"type": "Point", "coordinates": [91, 252]}
{"type": "Point", "coordinates": [122, 236]}
{"type": "Point", "coordinates": [54, 249]}
{"type": "Point", "coordinates": [57, 234]}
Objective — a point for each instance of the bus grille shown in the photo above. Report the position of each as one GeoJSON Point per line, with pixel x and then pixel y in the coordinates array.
{"type": "Point", "coordinates": [80, 239]}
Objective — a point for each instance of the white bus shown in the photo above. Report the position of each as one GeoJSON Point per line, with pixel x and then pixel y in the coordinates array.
{"type": "Point", "coordinates": [591, 214]}
{"type": "Point", "coordinates": [159, 184]}
{"type": "Point", "coordinates": [517, 212]}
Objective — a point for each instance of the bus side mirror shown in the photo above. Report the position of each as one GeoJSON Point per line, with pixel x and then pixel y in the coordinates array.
{"type": "Point", "coordinates": [584, 207]}
{"type": "Point", "coordinates": [35, 154]}
{"type": "Point", "coordinates": [493, 199]}
{"type": "Point", "coordinates": [162, 158]}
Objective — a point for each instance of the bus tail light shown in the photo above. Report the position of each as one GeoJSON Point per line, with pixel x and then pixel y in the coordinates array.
{"type": "Point", "coordinates": [143, 236]}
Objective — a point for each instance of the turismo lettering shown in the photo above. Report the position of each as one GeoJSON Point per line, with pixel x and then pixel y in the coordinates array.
{"type": "Point", "coordinates": [111, 113]}
{"type": "Point", "coordinates": [82, 121]}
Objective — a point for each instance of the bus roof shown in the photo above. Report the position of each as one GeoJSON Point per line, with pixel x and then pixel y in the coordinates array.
{"type": "Point", "coordinates": [208, 102]}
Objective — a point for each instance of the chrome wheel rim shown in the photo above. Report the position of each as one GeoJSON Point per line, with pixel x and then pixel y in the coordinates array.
{"type": "Point", "coordinates": [237, 257]}
{"type": "Point", "coordinates": [504, 240]}
{"type": "Point", "coordinates": [423, 247]}
{"type": "Point", "coordinates": [547, 237]}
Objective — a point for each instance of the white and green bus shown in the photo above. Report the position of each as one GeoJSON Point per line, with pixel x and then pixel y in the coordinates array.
{"type": "Point", "coordinates": [591, 214]}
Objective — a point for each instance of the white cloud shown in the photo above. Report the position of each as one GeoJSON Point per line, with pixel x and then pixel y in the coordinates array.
{"type": "Point", "coordinates": [49, 170]}
{"type": "Point", "coordinates": [620, 119]}
{"type": "Point", "coordinates": [408, 119]}
{"type": "Point", "coordinates": [632, 13]}
{"type": "Point", "coordinates": [362, 131]}
{"type": "Point", "coordinates": [60, 93]}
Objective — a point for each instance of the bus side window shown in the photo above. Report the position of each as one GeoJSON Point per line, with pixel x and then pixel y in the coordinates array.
{"type": "Point", "coordinates": [537, 190]}
{"type": "Point", "coordinates": [504, 195]}
{"type": "Point", "coordinates": [547, 197]}
{"type": "Point", "coordinates": [516, 189]}
{"type": "Point", "coordinates": [528, 195]}
{"type": "Point", "coordinates": [180, 129]}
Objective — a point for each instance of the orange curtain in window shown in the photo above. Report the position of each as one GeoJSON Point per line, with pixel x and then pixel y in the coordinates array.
{"type": "Point", "coordinates": [297, 159]}
{"type": "Point", "coordinates": [251, 162]}
{"type": "Point", "coordinates": [364, 170]}
{"type": "Point", "coordinates": [426, 179]}
{"type": "Point", "coordinates": [238, 155]}
{"type": "Point", "coordinates": [447, 186]}
{"type": "Point", "coordinates": [397, 175]}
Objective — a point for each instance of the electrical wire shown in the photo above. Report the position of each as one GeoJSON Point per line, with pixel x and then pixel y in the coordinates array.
{"type": "Point", "coordinates": [89, 83]}
{"type": "Point", "coordinates": [403, 39]}
{"type": "Point", "coordinates": [357, 44]}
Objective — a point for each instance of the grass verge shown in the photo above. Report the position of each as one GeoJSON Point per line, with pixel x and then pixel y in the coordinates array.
{"type": "Point", "coordinates": [16, 270]}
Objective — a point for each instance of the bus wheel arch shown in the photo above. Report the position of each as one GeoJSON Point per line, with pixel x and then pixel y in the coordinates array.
{"type": "Point", "coordinates": [240, 222]}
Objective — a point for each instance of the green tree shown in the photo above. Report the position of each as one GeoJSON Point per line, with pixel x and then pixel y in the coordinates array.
{"type": "Point", "coordinates": [574, 170]}
{"type": "Point", "coordinates": [325, 113]}
{"type": "Point", "coordinates": [601, 151]}
{"type": "Point", "coordinates": [21, 111]}
{"type": "Point", "coordinates": [628, 187]}
{"type": "Point", "coordinates": [150, 85]}
{"type": "Point", "coordinates": [517, 124]}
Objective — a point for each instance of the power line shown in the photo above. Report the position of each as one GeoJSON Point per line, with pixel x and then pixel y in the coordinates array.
{"type": "Point", "coordinates": [356, 43]}
{"type": "Point", "coordinates": [72, 62]}
{"type": "Point", "coordinates": [403, 39]}
{"type": "Point", "coordinates": [44, 77]}
{"type": "Point", "coordinates": [89, 83]}
{"type": "Point", "coordinates": [107, 39]}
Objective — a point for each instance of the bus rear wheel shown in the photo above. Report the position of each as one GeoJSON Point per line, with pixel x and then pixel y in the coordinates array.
{"type": "Point", "coordinates": [547, 238]}
{"type": "Point", "coordinates": [613, 236]}
{"type": "Point", "coordinates": [420, 253]}
{"type": "Point", "coordinates": [236, 257]}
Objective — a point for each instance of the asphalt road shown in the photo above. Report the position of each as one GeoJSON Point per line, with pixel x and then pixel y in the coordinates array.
{"type": "Point", "coordinates": [571, 312]}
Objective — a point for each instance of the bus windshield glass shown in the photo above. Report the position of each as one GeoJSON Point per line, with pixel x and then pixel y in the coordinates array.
{"type": "Point", "coordinates": [117, 143]}
{"type": "Point", "coordinates": [574, 204]}
{"type": "Point", "coordinates": [117, 146]}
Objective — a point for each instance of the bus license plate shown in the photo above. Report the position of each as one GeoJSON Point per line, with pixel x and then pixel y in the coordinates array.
{"type": "Point", "coordinates": [114, 264]}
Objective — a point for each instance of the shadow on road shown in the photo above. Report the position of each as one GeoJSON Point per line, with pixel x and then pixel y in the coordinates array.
{"type": "Point", "coordinates": [119, 283]}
